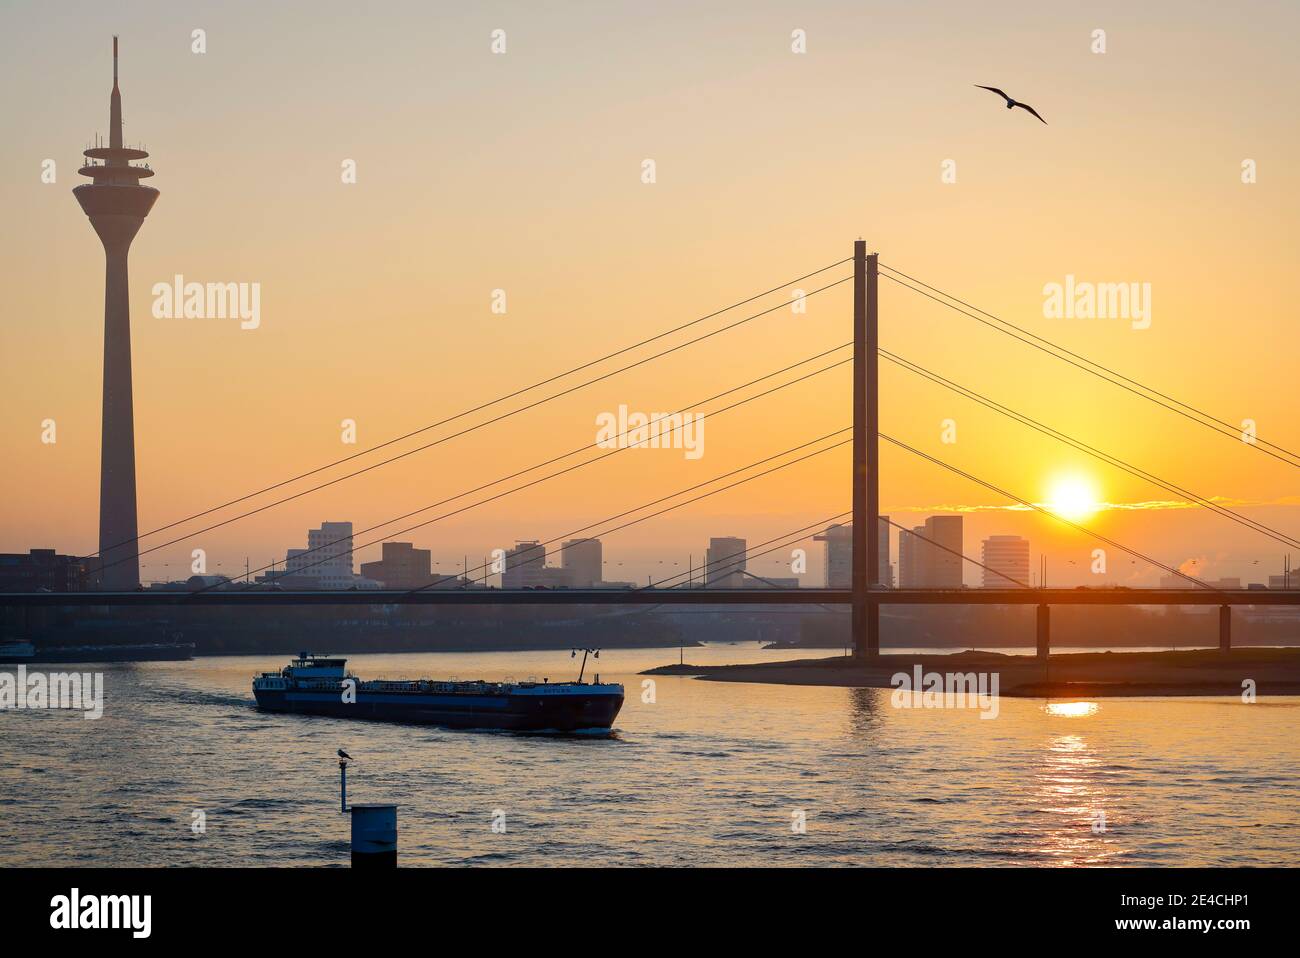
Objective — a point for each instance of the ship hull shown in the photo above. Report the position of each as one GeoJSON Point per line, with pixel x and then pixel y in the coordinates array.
{"type": "Point", "coordinates": [519, 713]}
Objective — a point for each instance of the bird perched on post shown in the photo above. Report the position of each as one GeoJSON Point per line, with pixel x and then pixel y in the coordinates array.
{"type": "Point", "coordinates": [345, 755]}
{"type": "Point", "coordinates": [1011, 104]}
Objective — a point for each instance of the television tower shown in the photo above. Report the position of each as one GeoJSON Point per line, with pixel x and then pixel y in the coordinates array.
{"type": "Point", "coordinates": [116, 204]}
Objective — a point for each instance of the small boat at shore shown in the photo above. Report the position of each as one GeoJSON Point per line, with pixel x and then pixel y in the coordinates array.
{"type": "Point", "coordinates": [320, 685]}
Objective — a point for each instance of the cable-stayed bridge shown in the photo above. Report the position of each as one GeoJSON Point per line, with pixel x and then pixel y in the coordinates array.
{"type": "Point", "coordinates": [863, 435]}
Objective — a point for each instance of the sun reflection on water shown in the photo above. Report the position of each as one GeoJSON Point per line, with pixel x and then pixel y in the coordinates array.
{"type": "Point", "coordinates": [1071, 792]}
{"type": "Point", "coordinates": [1071, 709]}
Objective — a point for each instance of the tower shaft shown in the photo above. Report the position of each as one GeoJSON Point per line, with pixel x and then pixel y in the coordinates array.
{"type": "Point", "coordinates": [118, 529]}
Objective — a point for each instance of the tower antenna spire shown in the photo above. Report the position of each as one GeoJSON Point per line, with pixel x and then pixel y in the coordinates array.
{"type": "Point", "coordinates": [115, 61]}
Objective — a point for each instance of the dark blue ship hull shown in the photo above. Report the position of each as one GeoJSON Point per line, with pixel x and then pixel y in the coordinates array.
{"type": "Point", "coordinates": [568, 712]}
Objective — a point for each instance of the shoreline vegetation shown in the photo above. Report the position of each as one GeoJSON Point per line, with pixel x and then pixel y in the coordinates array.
{"type": "Point", "coordinates": [1273, 671]}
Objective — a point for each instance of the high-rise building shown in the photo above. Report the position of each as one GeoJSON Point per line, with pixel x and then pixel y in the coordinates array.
{"type": "Point", "coordinates": [583, 562]}
{"type": "Point", "coordinates": [401, 566]}
{"type": "Point", "coordinates": [116, 204]}
{"type": "Point", "coordinates": [911, 572]}
{"type": "Point", "coordinates": [327, 561]}
{"type": "Point", "coordinates": [943, 559]}
{"type": "Point", "coordinates": [1006, 562]}
{"type": "Point", "coordinates": [929, 557]}
{"type": "Point", "coordinates": [724, 563]}
{"type": "Point", "coordinates": [524, 566]}
{"type": "Point", "coordinates": [839, 555]}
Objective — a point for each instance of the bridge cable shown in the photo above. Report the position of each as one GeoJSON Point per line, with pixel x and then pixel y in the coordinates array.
{"type": "Point", "coordinates": [517, 392]}
{"type": "Point", "coordinates": [568, 535]}
{"type": "Point", "coordinates": [568, 469]}
{"type": "Point", "coordinates": [1048, 512]}
{"type": "Point", "coordinates": [1213, 424]}
{"type": "Point", "coordinates": [225, 522]}
{"type": "Point", "coordinates": [1252, 524]}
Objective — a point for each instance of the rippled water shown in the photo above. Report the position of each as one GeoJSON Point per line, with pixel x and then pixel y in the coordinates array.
{"type": "Point", "coordinates": [710, 773]}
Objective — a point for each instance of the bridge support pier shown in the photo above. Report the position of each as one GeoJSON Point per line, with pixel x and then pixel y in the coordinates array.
{"type": "Point", "coordinates": [1225, 628]}
{"type": "Point", "coordinates": [1044, 631]}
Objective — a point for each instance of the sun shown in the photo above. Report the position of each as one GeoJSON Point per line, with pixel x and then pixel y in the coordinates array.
{"type": "Point", "coordinates": [1073, 497]}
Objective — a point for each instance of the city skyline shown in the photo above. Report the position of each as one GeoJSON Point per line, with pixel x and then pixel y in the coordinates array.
{"type": "Point", "coordinates": [185, 368]}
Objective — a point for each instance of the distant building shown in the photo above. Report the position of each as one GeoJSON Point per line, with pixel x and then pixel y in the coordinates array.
{"type": "Point", "coordinates": [929, 557]}
{"type": "Point", "coordinates": [839, 555]}
{"type": "Point", "coordinates": [1009, 556]}
{"type": "Point", "coordinates": [524, 565]}
{"type": "Point", "coordinates": [526, 568]}
{"type": "Point", "coordinates": [944, 569]}
{"type": "Point", "coordinates": [326, 562]}
{"type": "Point", "coordinates": [44, 569]}
{"type": "Point", "coordinates": [583, 563]}
{"type": "Point", "coordinates": [909, 560]}
{"type": "Point", "coordinates": [401, 566]}
{"type": "Point", "coordinates": [724, 563]}
{"type": "Point", "coordinates": [1289, 581]}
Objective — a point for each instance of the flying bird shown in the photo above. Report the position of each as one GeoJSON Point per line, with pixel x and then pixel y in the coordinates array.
{"type": "Point", "coordinates": [1011, 104]}
{"type": "Point", "coordinates": [343, 754]}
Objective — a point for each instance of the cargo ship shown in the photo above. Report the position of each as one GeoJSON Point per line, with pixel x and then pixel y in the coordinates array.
{"type": "Point", "coordinates": [321, 685]}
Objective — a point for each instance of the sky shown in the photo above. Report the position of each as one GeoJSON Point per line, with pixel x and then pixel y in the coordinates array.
{"type": "Point", "coordinates": [524, 171]}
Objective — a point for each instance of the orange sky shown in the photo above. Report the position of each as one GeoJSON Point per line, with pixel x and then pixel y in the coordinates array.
{"type": "Point", "coordinates": [522, 172]}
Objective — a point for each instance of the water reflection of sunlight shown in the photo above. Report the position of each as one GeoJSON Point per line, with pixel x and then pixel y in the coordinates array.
{"type": "Point", "coordinates": [1071, 709]}
{"type": "Point", "coordinates": [1070, 789]}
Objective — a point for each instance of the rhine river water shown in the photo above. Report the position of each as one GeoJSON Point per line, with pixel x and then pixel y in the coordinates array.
{"type": "Point", "coordinates": [709, 773]}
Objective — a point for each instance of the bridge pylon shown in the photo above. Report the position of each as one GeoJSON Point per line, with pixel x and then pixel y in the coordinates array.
{"type": "Point", "coordinates": [866, 451]}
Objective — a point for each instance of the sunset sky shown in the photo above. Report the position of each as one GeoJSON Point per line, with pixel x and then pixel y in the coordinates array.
{"type": "Point", "coordinates": [522, 171]}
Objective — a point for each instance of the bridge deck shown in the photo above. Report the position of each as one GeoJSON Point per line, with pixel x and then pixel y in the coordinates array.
{"type": "Point", "coordinates": [729, 597]}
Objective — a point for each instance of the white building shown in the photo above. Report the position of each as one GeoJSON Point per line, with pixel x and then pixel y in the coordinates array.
{"type": "Point", "coordinates": [1005, 558]}
{"type": "Point", "coordinates": [327, 558]}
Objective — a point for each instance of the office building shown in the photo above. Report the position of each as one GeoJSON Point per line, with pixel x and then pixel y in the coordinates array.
{"type": "Point", "coordinates": [583, 563]}
{"type": "Point", "coordinates": [1006, 562]}
{"type": "Point", "coordinates": [401, 566]}
{"type": "Point", "coordinates": [724, 563]}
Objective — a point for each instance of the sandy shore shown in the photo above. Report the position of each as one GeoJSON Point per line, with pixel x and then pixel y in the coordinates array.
{"type": "Point", "coordinates": [1273, 671]}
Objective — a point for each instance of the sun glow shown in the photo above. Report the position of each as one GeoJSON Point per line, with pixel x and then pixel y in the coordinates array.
{"type": "Point", "coordinates": [1073, 497]}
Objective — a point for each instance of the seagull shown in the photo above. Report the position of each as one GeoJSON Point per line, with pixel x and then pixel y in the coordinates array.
{"type": "Point", "coordinates": [1011, 104]}
{"type": "Point", "coordinates": [343, 754]}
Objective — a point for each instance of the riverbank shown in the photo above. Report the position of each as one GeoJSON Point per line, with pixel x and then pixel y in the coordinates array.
{"type": "Point", "coordinates": [1273, 671]}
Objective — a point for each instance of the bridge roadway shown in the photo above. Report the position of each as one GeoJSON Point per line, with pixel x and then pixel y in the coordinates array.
{"type": "Point", "coordinates": [741, 597]}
